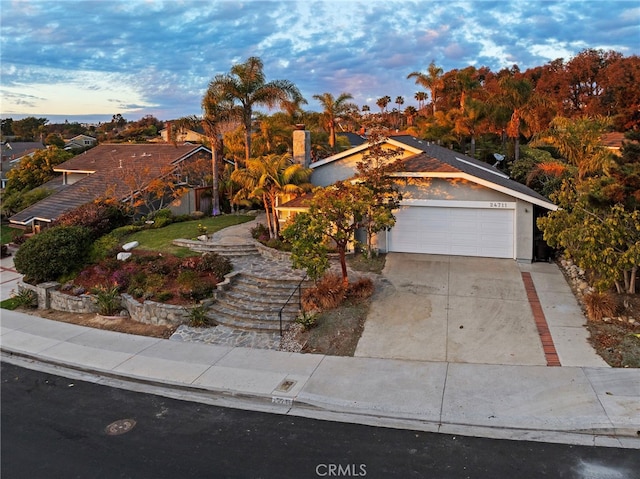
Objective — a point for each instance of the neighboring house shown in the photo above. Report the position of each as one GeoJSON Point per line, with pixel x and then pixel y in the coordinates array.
{"type": "Point", "coordinates": [110, 170]}
{"type": "Point", "coordinates": [193, 135]}
{"type": "Point", "coordinates": [13, 152]}
{"type": "Point", "coordinates": [613, 141]}
{"type": "Point", "coordinates": [451, 203]}
{"type": "Point", "coordinates": [80, 142]}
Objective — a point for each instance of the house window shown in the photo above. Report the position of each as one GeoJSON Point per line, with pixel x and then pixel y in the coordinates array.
{"type": "Point", "coordinates": [87, 142]}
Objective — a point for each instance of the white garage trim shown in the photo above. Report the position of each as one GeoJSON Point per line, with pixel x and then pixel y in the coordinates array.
{"type": "Point", "coordinates": [487, 232]}
{"type": "Point", "coordinates": [509, 205]}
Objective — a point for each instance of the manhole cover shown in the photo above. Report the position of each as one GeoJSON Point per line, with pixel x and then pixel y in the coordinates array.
{"type": "Point", "coordinates": [120, 427]}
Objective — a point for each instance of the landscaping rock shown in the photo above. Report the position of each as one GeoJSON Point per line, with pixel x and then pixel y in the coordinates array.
{"type": "Point", "coordinates": [123, 256]}
{"type": "Point", "coordinates": [131, 245]}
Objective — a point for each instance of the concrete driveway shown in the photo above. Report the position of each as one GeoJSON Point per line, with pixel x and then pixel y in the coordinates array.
{"type": "Point", "coordinates": [451, 308]}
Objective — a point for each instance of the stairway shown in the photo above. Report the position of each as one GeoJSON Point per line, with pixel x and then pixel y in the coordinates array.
{"type": "Point", "coordinates": [253, 302]}
{"type": "Point", "coordinates": [225, 249]}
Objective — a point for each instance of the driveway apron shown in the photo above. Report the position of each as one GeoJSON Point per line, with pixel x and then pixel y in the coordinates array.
{"type": "Point", "coordinates": [451, 308]}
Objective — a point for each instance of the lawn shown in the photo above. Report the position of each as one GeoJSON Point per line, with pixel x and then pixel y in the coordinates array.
{"type": "Point", "coordinates": [7, 233]}
{"type": "Point", "coordinates": [160, 239]}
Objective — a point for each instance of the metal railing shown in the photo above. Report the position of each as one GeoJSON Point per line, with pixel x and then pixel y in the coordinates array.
{"type": "Point", "coordinates": [299, 290]}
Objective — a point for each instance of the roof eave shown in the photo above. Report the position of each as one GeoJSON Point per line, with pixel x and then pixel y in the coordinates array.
{"type": "Point", "coordinates": [465, 176]}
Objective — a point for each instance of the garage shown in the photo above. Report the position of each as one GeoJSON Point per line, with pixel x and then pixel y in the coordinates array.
{"type": "Point", "coordinates": [461, 231]}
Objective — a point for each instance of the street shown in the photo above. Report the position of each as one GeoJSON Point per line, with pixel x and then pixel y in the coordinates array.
{"type": "Point", "coordinates": [53, 427]}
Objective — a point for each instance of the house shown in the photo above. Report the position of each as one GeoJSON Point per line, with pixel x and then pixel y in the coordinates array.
{"type": "Point", "coordinates": [191, 135]}
{"type": "Point", "coordinates": [13, 152]}
{"type": "Point", "coordinates": [80, 142]}
{"type": "Point", "coordinates": [451, 203]}
{"type": "Point", "coordinates": [118, 171]}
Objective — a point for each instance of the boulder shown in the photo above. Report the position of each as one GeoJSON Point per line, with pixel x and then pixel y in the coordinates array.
{"type": "Point", "coordinates": [129, 246]}
{"type": "Point", "coordinates": [123, 256]}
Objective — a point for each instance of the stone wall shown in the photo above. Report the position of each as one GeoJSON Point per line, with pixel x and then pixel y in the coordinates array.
{"type": "Point", "coordinates": [60, 301]}
{"type": "Point", "coordinates": [148, 312]}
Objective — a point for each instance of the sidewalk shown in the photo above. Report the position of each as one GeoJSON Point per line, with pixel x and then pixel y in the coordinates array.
{"type": "Point", "coordinates": [577, 405]}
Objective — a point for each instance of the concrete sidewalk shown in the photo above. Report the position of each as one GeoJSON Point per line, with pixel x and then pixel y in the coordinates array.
{"type": "Point", "coordinates": [585, 405]}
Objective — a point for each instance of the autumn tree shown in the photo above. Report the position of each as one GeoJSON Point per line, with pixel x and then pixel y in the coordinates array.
{"type": "Point", "coordinates": [373, 171]}
{"type": "Point", "coordinates": [335, 213]}
{"type": "Point", "coordinates": [35, 170]}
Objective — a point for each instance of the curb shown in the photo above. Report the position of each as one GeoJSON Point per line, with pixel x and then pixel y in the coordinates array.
{"type": "Point", "coordinates": [321, 407]}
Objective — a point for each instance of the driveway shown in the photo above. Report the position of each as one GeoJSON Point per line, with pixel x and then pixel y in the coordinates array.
{"type": "Point", "coordinates": [451, 308]}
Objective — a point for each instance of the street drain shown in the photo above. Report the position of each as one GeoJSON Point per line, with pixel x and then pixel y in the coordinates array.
{"type": "Point", "coordinates": [120, 427]}
{"type": "Point", "coordinates": [285, 385]}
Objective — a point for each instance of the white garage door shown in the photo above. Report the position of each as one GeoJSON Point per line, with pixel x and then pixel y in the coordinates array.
{"type": "Point", "coordinates": [455, 231]}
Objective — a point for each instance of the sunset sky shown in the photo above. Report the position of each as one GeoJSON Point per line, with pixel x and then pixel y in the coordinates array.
{"type": "Point", "coordinates": [88, 60]}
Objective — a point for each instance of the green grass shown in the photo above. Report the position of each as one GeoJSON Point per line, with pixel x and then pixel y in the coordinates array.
{"type": "Point", "coordinates": [160, 239]}
{"type": "Point", "coordinates": [11, 303]}
{"type": "Point", "coordinates": [7, 233]}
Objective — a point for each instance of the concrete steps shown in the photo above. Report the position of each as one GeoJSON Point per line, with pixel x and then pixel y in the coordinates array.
{"type": "Point", "coordinates": [239, 249]}
{"type": "Point", "coordinates": [253, 302]}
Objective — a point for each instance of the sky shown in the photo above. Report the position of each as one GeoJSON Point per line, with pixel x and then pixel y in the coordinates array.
{"type": "Point", "coordinates": [86, 61]}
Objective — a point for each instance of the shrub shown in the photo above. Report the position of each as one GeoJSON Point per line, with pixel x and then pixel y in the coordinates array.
{"type": "Point", "coordinates": [100, 217]}
{"type": "Point", "coordinates": [198, 316]}
{"type": "Point", "coordinates": [108, 300]}
{"type": "Point", "coordinates": [26, 298]}
{"type": "Point", "coordinates": [104, 247]}
{"type": "Point", "coordinates": [53, 253]}
{"type": "Point", "coordinates": [307, 319]}
{"type": "Point", "coordinates": [328, 293]}
{"type": "Point", "coordinates": [196, 215]}
{"type": "Point", "coordinates": [187, 279]}
{"type": "Point", "coordinates": [600, 305]}
{"type": "Point", "coordinates": [214, 263]}
{"type": "Point", "coordinates": [164, 296]}
{"type": "Point", "coordinates": [360, 289]}
{"type": "Point", "coordinates": [259, 231]}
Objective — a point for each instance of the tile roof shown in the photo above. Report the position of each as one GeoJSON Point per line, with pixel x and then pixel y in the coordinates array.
{"type": "Point", "coordinates": [107, 166]}
{"type": "Point", "coordinates": [468, 165]}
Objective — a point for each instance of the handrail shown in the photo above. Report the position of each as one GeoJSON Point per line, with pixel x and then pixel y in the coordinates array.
{"type": "Point", "coordinates": [297, 288]}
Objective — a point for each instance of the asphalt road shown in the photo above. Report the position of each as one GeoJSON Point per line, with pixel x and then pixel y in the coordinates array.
{"type": "Point", "coordinates": [53, 427]}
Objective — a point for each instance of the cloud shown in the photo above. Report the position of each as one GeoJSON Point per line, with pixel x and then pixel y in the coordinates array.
{"type": "Point", "coordinates": [159, 56]}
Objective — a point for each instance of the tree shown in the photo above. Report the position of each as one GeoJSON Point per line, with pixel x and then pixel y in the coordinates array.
{"type": "Point", "coordinates": [605, 241]}
{"type": "Point", "coordinates": [246, 86]}
{"type": "Point", "coordinates": [374, 172]}
{"type": "Point", "coordinates": [333, 108]}
{"type": "Point", "coordinates": [579, 141]}
{"type": "Point", "coordinates": [267, 178]}
{"type": "Point", "coordinates": [35, 170]}
{"type": "Point", "coordinates": [54, 140]}
{"type": "Point", "coordinates": [29, 128]}
{"type": "Point", "coordinates": [432, 80]}
{"type": "Point", "coordinates": [335, 213]}
{"type": "Point", "coordinates": [382, 103]}
{"type": "Point", "coordinates": [309, 251]}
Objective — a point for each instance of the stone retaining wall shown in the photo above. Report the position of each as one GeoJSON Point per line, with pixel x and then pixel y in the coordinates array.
{"type": "Point", "coordinates": [149, 312]}
{"type": "Point", "coordinates": [72, 304]}
{"type": "Point", "coordinates": [272, 253]}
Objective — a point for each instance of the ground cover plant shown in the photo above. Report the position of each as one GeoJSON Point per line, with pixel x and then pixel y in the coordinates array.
{"type": "Point", "coordinates": [154, 276]}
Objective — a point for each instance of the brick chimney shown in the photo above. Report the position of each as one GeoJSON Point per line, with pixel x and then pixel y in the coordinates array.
{"type": "Point", "coordinates": [302, 146]}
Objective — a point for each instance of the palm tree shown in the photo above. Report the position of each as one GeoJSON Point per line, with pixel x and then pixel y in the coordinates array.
{"type": "Point", "coordinates": [432, 81]}
{"type": "Point", "coordinates": [217, 106]}
{"type": "Point", "coordinates": [246, 85]}
{"type": "Point", "coordinates": [421, 97]}
{"type": "Point", "coordinates": [382, 102]}
{"type": "Point", "coordinates": [333, 108]}
{"type": "Point", "coordinates": [399, 101]}
{"type": "Point", "coordinates": [580, 142]}
{"type": "Point", "coordinates": [267, 178]}
{"type": "Point", "coordinates": [517, 96]}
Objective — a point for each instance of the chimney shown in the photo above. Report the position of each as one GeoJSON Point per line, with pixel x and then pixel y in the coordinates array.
{"type": "Point", "coordinates": [302, 146]}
